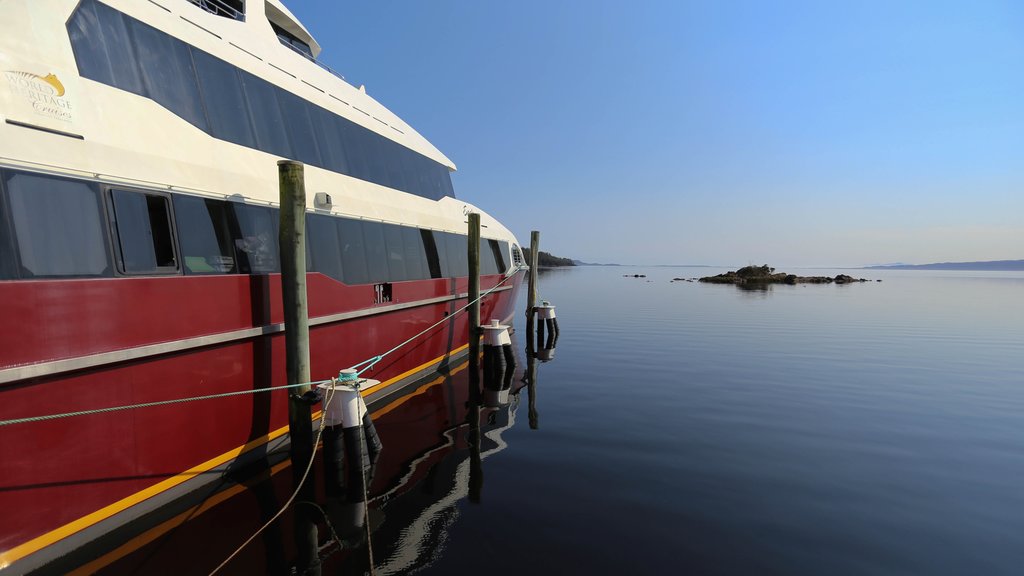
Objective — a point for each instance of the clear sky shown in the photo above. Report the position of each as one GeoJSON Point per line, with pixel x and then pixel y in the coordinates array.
{"type": "Point", "coordinates": [712, 132]}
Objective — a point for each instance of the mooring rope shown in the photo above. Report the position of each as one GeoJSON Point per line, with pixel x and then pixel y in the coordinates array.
{"type": "Point", "coordinates": [158, 403]}
{"type": "Point", "coordinates": [367, 364]}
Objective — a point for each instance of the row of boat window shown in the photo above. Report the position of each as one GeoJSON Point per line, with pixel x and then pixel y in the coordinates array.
{"type": "Point", "coordinates": [233, 105]}
{"type": "Point", "coordinates": [57, 227]}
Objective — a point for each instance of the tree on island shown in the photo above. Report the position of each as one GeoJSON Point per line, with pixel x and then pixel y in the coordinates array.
{"type": "Point", "coordinates": [546, 260]}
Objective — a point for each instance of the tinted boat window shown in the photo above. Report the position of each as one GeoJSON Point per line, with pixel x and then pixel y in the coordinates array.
{"type": "Point", "coordinates": [204, 234]}
{"type": "Point", "coordinates": [266, 115]}
{"type": "Point", "coordinates": [458, 258]}
{"type": "Point", "coordinates": [329, 139]}
{"type": "Point", "coordinates": [415, 258]}
{"type": "Point", "coordinates": [225, 103]}
{"type": "Point", "coordinates": [58, 226]}
{"type": "Point", "coordinates": [502, 253]}
{"type": "Point", "coordinates": [8, 263]}
{"type": "Point", "coordinates": [324, 245]}
{"type": "Point", "coordinates": [441, 241]}
{"type": "Point", "coordinates": [102, 47]}
{"type": "Point", "coordinates": [299, 127]}
{"type": "Point", "coordinates": [256, 249]}
{"type": "Point", "coordinates": [487, 263]}
{"type": "Point", "coordinates": [395, 243]}
{"type": "Point", "coordinates": [430, 248]}
{"type": "Point", "coordinates": [167, 73]}
{"type": "Point", "coordinates": [376, 252]}
{"type": "Point", "coordinates": [142, 225]}
{"type": "Point", "coordinates": [353, 253]}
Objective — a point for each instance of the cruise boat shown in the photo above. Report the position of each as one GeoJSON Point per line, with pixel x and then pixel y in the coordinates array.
{"type": "Point", "coordinates": [139, 261]}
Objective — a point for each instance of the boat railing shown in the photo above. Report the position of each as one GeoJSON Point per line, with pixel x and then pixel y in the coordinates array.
{"type": "Point", "coordinates": [220, 8]}
{"type": "Point", "coordinates": [317, 62]}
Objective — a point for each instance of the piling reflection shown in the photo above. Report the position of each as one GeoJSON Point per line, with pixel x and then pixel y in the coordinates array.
{"type": "Point", "coordinates": [436, 439]}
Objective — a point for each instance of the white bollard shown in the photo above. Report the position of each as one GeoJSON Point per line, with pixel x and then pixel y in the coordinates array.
{"type": "Point", "coordinates": [496, 334]}
{"type": "Point", "coordinates": [545, 311]}
{"type": "Point", "coordinates": [346, 407]}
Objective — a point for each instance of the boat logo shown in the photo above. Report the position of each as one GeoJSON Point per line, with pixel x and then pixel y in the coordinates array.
{"type": "Point", "coordinates": [46, 93]}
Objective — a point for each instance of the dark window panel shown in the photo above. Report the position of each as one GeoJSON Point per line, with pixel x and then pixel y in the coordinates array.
{"type": "Point", "coordinates": [416, 267]}
{"type": "Point", "coordinates": [267, 120]}
{"type": "Point", "coordinates": [142, 226]}
{"type": "Point", "coordinates": [395, 244]}
{"type": "Point", "coordinates": [204, 234]}
{"type": "Point", "coordinates": [487, 263]}
{"type": "Point", "coordinates": [58, 226]}
{"type": "Point", "coordinates": [324, 245]}
{"type": "Point", "coordinates": [433, 258]}
{"type": "Point", "coordinates": [226, 108]}
{"type": "Point", "coordinates": [356, 149]}
{"type": "Point", "coordinates": [299, 127]}
{"type": "Point", "coordinates": [376, 251]}
{"type": "Point", "coordinates": [167, 72]}
{"type": "Point", "coordinates": [353, 251]}
{"type": "Point", "coordinates": [458, 257]}
{"type": "Point", "coordinates": [504, 261]}
{"type": "Point", "coordinates": [256, 246]}
{"type": "Point", "coordinates": [8, 257]}
{"type": "Point", "coordinates": [103, 48]}
{"type": "Point", "coordinates": [330, 140]}
{"type": "Point", "coordinates": [441, 241]}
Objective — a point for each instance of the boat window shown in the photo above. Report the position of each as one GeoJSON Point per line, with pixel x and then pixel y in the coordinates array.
{"type": "Point", "coordinates": [456, 247]}
{"type": "Point", "coordinates": [329, 139]}
{"type": "Point", "coordinates": [324, 245]}
{"type": "Point", "coordinates": [143, 242]}
{"type": "Point", "coordinates": [290, 40]}
{"type": "Point", "coordinates": [488, 265]}
{"type": "Point", "coordinates": [103, 48]}
{"type": "Point", "coordinates": [267, 119]}
{"type": "Point", "coordinates": [395, 243]}
{"type": "Point", "coordinates": [353, 253]}
{"type": "Point", "coordinates": [376, 252]}
{"type": "Point", "coordinates": [503, 253]}
{"type": "Point", "coordinates": [441, 241]}
{"type": "Point", "coordinates": [204, 234]}
{"type": "Point", "coordinates": [433, 261]}
{"type": "Point", "coordinates": [58, 226]}
{"type": "Point", "coordinates": [300, 129]}
{"type": "Point", "coordinates": [496, 254]}
{"type": "Point", "coordinates": [8, 261]}
{"type": "Point", "coordinates": [224, 99]}
{"type": "Point", "coordinates": [415, 257]}
{"type": "Point", "coordinates": [167, 72]}
{"type": "Point", "coordinates": [256, 248]}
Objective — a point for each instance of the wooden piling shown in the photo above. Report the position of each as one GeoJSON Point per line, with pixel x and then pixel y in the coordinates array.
{"type": "Point", "coordinates": [292, 242]}
{"type": "Point", "coordinates": [474, 308]}
{"type": "Point", "coordinates": [531, 295]}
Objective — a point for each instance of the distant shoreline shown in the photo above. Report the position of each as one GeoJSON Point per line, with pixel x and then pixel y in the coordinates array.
{"type": "Point", "coordinates": [993, 265]}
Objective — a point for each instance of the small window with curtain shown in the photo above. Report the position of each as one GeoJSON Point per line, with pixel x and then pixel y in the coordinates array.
{"type": "Point", "coordinates": [142, 229]}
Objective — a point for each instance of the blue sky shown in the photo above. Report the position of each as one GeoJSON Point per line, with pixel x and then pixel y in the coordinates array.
{"type": "Point", "coordinates": [714, 132]}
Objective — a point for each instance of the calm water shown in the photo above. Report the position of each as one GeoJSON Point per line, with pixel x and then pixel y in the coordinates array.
{"type": "Point", "coordinates": [873, 428]}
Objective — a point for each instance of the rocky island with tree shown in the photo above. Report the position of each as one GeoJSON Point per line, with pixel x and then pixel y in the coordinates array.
{"type": "Point", "coordinates": [767, 275]}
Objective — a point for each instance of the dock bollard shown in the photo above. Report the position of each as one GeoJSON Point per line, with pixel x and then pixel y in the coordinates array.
{"type": "Point", "coordinates": [546, 316]}
{"type": "Point", "coordinates": [349, 430]}
{"type": "Point", "coordinates": [499, 360]}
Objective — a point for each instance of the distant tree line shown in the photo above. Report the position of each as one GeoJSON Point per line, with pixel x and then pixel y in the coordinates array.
{"type": "Point", "coordinates": [547, 260]}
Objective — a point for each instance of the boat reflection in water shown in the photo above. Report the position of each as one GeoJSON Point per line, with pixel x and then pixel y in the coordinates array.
{"type": "Point", "coordinates": [435, 435]}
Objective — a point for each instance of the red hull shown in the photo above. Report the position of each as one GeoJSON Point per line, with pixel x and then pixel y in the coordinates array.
{"type": "Point", "coordinates": [62, 477]}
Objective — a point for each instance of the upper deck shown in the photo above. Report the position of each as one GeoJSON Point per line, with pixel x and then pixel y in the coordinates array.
{"type": "Point", "coordinates": [222, 97]}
